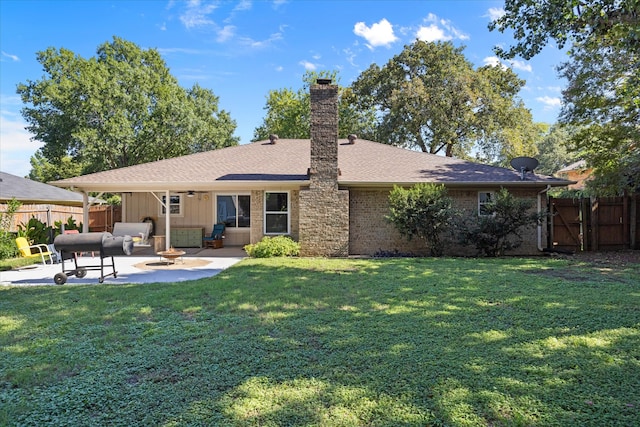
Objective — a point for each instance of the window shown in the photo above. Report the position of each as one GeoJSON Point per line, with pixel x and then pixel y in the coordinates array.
{"type": "Point", "coordinates": [276, 213]}
{"type": "Point", "coordinates": [484, 198]}
{"type": "Point", "coordinates": [175, 205]}
{"type": "Point", "coordinates": [234, 211]}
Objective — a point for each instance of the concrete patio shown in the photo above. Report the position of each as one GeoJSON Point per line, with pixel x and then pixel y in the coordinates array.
{"type": "Point", "coordinates": [144, 266]}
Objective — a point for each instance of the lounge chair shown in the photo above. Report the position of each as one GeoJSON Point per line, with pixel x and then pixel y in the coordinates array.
{"type": "Point", "coordinates": [215, 239]}
{"type": "Point", "coordinates": [33, 251]}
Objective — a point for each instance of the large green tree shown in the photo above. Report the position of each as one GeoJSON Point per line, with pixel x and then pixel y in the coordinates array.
{"type": "Point", "coordinates": [119, 108]}
{"type": "Point", "coordinates": [430, 97]}
{"type": "Point", "coordinates": [288, 112]}
{"type": "Point", "coordinates": [534, 22]}
{"type": "Point", "coordinates": [602, 99]}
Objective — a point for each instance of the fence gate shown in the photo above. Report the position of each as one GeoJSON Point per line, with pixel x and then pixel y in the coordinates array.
{"type": "Point", "coordinates": [597, 224]}
{"type": "Point", "coordinates": [567, 224]}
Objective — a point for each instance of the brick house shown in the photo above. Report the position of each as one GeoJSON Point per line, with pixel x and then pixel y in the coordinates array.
{"type": "Point", "coordinates": [329, 194]}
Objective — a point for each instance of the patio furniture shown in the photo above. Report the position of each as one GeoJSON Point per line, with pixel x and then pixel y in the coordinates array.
{"type": "Point", "coordinates": [139, 232]}
{"type": "Point", "coordinates": [215, 239]}
{"type": "Point", "coordinates": [33, 251]}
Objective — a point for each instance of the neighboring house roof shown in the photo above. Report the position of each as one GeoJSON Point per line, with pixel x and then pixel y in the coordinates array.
{"type": "Point", "coordinates": [365, 163]}
{"type": "Point", "coordinates": [28, 191]}
{"type": "Point", "coordinates": [579, 165]}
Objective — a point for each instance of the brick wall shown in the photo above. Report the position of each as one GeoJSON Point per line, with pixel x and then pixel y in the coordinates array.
{"type": "Point", "coordinates": [370, 233]}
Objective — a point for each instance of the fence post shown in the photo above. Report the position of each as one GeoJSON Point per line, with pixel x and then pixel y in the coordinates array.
{"type": "Point", "coordinates": [594, 223]}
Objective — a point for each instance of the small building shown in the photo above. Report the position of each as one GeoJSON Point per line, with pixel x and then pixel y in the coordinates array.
{"type": "Point", "coordinates": [577, 171]}
{"type": "Point", "coordinates": [329, 194]}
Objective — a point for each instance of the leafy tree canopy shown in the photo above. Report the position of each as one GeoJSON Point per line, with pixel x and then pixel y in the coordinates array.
{"type": "Point", "coordinates": [289, 113]}
{"type": "Point", "coordinates": [429, 97]}
{"type": "Point", "coordinates": [534, 22]}
{"type": "Point", "coordinates": [119, 108]}
{"type": "Point", "coordinates": [603, 74]}
{"type": "Point", "coordinates": [553, 154]}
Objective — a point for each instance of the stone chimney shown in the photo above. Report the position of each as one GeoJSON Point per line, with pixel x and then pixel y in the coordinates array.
{"type": "Point", "coordinates": [324, 208]}
{"type": "Point", "coordinates": [324, 134]}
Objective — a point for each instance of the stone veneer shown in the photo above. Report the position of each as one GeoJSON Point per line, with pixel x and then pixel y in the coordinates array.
{"type": "Point", "coordinates": [323, 207]}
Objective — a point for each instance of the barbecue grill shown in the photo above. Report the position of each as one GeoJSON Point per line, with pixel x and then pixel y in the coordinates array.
{"type": "Point", "coordinates": [105, 244]}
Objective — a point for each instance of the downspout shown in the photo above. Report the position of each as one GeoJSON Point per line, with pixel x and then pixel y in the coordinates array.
{"type": "Point", "coordinates": [540, 248]}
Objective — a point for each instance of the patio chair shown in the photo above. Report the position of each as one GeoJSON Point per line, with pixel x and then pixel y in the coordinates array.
{"type": "Point", "coordinates": [215, 239]}
{"type": "Point", "coordinates": [33, 251]}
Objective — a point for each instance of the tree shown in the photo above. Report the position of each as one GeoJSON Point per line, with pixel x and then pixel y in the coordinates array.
{"type": "Point", "coordinates": [423, 211]}
{"type": "Point", "coordinates": [603, 76]}
{"type": "Point", "coordinates": [577, 21]}
{"type": "Point", "coordinates": [553, 154]}
{"type": "Point", "coordinates": [602, 100]}
{"type": "Point", "coordinates": [288, 112]}
{"type": "Point", "coordinates": [119, 108]}
{"type": "Point", "coordinates": [43, 170]}
{"type": "Point", "coordinates": [431, 98]}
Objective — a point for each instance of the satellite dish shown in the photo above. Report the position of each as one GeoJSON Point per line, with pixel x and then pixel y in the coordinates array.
{"type": "Point", "coordinates": [524, 164]}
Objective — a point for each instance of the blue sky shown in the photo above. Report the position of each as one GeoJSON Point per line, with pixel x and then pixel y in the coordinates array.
{"type": "Point", "coordinates": [243, 49]}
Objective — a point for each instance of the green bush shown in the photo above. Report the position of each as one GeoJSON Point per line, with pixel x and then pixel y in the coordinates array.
{"type": "Point", "coordinates": [8, 248]}
{"type": "Point", "coordinates": [277, 246]}
{"type": "Point", "coordinates": [500, 230]}
{"type": "Point", "coordinates": [424, 211]}
{"type": "Point", "coordinates": [36, 231]}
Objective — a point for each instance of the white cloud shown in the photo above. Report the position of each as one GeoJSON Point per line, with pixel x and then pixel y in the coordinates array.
{"type": "Point", "coordinates": [432, 33]}
{"type": "Point", "coordinates": [260, 44]}
{"type": "Point", "coordinates": [494, 61]}
{"type": "Point", "coordinates": [495, 13]}
{"type": "Point", "coordinates": [16, 148]}
{"type": "Point", "coordinates": [379, 34]}
{"type": "Point", "coordinates": [439, 30]}
{"type": "Point", "coordinates": [279, 68]}
{"type": "Point", "coordinates": [549, 102]}
{"type": "Point", "coordinates": [520, 65]}
{"type": "Point", "coordinates": [244, 5]}
{"type": "Point", "coordinates": [309, 66]}
{"type": "Point", "coordinates": [196, 14]}
{"type": "Point", "coordinates": [11, 57]}
{"type": "Point", "coordinates": [226, 33]}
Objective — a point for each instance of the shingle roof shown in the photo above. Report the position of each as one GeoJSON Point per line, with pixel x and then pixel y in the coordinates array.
{"type": "Point", "coordinates": [362, 163]}
{"type": "Point", "coordinates": [26, 190]}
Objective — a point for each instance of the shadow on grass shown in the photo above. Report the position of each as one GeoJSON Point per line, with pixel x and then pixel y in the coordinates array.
{"type": "Point", "coordinates": [328, 342]}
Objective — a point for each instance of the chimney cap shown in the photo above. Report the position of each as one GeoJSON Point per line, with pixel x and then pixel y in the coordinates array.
{"type": "Point", "coordinates": [323, 81]}
{"type": "Point", "coordinates": [352, 138]}
{"type": "Point", "coordinates": [273, 138]}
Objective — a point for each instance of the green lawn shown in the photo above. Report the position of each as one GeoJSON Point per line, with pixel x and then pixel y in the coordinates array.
{"type": "Point", "coordinates": [316, 342]}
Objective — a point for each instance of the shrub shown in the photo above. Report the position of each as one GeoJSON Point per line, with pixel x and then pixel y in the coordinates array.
{"type": "Point", "coordinates": [277, 246]}
{"type": "Point", "coordinates": [36, 231]}
{"type": "Point", "coordinates": [424, 211]}
{"type": "Point", "coordinates": [500, 230]}
{"type": "Point", "coordinates": [8, 248]}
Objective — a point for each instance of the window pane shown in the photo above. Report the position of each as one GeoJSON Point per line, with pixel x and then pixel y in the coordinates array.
{"type": "Point", "coordinates": [226, 208]}
{"type": "Point", "coordinates": [244, 211]}
{"type": "Point", "coordinates": [276, 202]}
{"type": "Point", "coordinates": [276, 223]}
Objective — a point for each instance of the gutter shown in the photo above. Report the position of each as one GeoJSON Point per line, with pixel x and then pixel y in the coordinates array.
{"type": "Point", "coordinates": [540, 248]}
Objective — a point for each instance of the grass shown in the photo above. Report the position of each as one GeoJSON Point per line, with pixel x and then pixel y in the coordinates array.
{"type": "Point", "coordinates": [11, 263]}
{"type": "Point", "coordinates": [378, 342]}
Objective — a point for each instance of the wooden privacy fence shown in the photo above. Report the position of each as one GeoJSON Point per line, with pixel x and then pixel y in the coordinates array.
{"type": "Point", "coordinates": [101, 218]}
{"type": "Point", "coordinates": [594, 224]}
{"type": "Point", "coordinates": [45, 213]}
